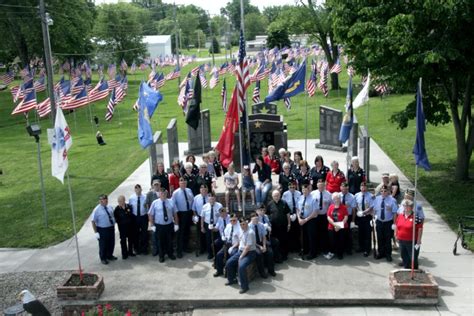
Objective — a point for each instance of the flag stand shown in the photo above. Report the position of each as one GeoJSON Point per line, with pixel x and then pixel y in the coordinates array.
{"type": "Point", "coordinates": [74, 226]}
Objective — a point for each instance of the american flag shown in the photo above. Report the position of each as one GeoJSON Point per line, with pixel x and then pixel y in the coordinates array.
{"type": "Point", "coordinates": [174, 74]}
{"type": "Point", "coordinates": [287, 103]}
{"type": "Point", "coordinates": [323, 81]}
{"type": "Point", "coordinates": [100, 91]}
{"type": "Point", "coordinates": [195, 70]}
{"type": "Point", "coordinates": [256, 93]}
{"type": "Point", "coordinates": [40, 84]}
{"type": "Point", "coordinates": [186, 93]}
{"type": "Point", "coordinates": [223, 69]}
{"type": "Point", "coordinates": [123, 65]}
{"type": "Point", "coordinates": [120, 93]}
{"type": "Point", "coordinates": [7, 78]}
{"type": "Point", "coordinates": [79, 100]}
{"type": "Point", "coordinates": [336, 68]}
{"type": "Point", "coordinates": [124, 83]}
{"type": "Point", "coordinates": [203, 79]}
{"type": "Point", "coordinates": [88, 84]}
{"type": "Point", "coordinates": [160, 81]}
{"type": "Point", "coordinates": [260, 73]}
{"type": "Point", "coordinates": [114, 82]}
{"type": "Point", "coordinates": [214, 78]}
{"type": "Point", "coordinates": [311, 84]}
{"type": "Point", "coordinates": [17, 93]}
{"type": "Point", "coordinates": [243, 77]}
{"type": "Point", "coordinates": [231, 66]}
{"type": "Point", "coordinates": [28, 102]}
{"type": "Point", "coordinates": [133, 68]}
{"type": "Point", "coordinates": [112, 70]}
{"type": "Point", "coordinates": [382, 88]}
{"type": "Point", "coordinates": [77, 85]}
{"type": "Point", "coordinates": [44, 108]}
{"type": "Point", "coordinates": [224, 96]}
{"type": "Point", "coordinates": [350, 71]}
{"type": "Point", "coordinates": [111, 106]}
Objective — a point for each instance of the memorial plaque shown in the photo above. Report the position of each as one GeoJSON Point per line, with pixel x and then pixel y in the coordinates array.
{"type": "Point", "coordinates": [364, 151]}
{"type": "Point", "coordinates": [200, 139]}
{"type": "Point", "coordinates": [156, 152]}
{"type": "Point", "coordinates": [172, 136]}
{"type": "Point", "coordinates": [264, 108]}
{"type": "Point", "coordinates": [329, 126]}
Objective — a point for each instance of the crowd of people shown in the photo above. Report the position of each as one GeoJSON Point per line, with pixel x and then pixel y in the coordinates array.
{"type": "Point", "coordinates": [312, 211]}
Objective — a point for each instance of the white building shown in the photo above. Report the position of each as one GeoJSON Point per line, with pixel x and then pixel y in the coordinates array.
{"type": "Point", "coordinates": [158, 45]}
{"type": "Point", "coordinates": [259, 43]}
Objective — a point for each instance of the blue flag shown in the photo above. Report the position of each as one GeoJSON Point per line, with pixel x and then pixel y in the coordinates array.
{"type": "Point", "coordinates": [421, 157]}
{"type": "Point", "coordinates": [148, 100]}
{"type": "Point", "coordinates": [290, 87]}
{"type": "Point", "coordinates": [348, 119]}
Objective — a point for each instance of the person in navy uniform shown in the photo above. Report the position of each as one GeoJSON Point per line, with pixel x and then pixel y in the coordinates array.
{"type": "Point", "coordinates": [203, 177]}
{"type": "Point", "coordinates": [286, 177]}
{"type": "Point", "coordinates": [162, 176]}
{"type": "Point", "coordinates": [103, 224]}
{"type": "Point", "coordinates": [355, 176]}
{"type": "Point", "coordinates": [307, 219]}
{"type": "Point", "coordinates": [349, 201]}
{"type": "Point", "coordinates": [242, 258]}
{"type": "Point", "coordinates": [192, 160]}
{"type": "Point", "coordinates": [183, 200]}
{"type": "Point", "coordinates": [190, 178]}
{"type": "Point", "coordinates": [163, 216]}
{"type": "Point", "coordinates": [199, 201]}
{"type": "Point", "coordinates": [323, 200]}
{"type": "Point", "coordinates": [210, 215]}
{"type": "Point", "coordinates": [138, 202]}
{"type": "Point", "coordinates": [304, 176]}
{"type": "Point", "coordinates": [263, 247]}
{"type": "Point", "coordinates": [279, 214]}
{"type": "Point", "coordinates": [385, 209]}
{"type": "Point", "coordinates": [363, 218]}
{"type": "Point", "coordinates": [222, 221]}
{"type": "Point", "coordinates": [231, 240]}
{"type": "Point", "coordinates": [124, 219]}
{"type": "Point", "coordinates": [291, 198]}
{"type": "Point", "coordinates": [318, 172]}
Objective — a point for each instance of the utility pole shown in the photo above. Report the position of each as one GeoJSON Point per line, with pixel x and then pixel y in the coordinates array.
{"type": "Point", "coordinates": [45, 20]}
{"type": "Point", "coordinates": [176, 43]}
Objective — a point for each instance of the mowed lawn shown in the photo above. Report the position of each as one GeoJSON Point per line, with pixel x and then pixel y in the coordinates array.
{"type": "Point", "coordinates": [99, 169]}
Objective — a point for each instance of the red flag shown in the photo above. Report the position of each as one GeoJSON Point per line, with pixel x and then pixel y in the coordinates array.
{"type": "Point", "coordinates": [225, 146]}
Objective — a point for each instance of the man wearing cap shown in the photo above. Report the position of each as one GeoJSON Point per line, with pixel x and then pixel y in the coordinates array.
{"type": "Point", "coordinates": [153, 194]}
{"type": "Point", "coordinates": [183, 200]}
{"type": "Point", "coordinates": [349, 201]}
{"type": "Point", "coordinates": [363, 218]}
{"type": "Point", "coordinates": [385, 209]}
{"type": "Point", "coordinates": [323, 200]}
{"type": "Point", "coordinates": [140, 217]}
{"type": "Point", "coordinates": [291, 198]}
{"type": "Point", "coordinates": [162, 216]}
{"type": "Point", "coordinates": [103, 224]}
{"type": "Point", "coordinates": [385, 181]}
{"type": "Point", "coordinates": [199, 201]}
{"type": "Point", "coordinates": [210, 215]}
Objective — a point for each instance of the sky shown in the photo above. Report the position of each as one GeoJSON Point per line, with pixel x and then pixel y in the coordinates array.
{"type": "Point", "coordinates": [214, 6]}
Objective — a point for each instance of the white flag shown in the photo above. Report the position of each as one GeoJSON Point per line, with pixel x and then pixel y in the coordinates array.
{"type": "Point", "coordinates": [60, 145]}
{"type": "Point", "coordinates": [363, 96]}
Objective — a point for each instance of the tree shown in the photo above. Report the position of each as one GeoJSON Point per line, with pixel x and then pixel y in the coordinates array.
{"type": "Point", "coordinates": [188, 23]}
{"type": "Point", "coordinates": [277, 36]}
{"type": "Point", "coordinates": [215, 46]}
{"type": "Point", "coordinates": [232, 10]}
{"type": "Point", "coordinates": [404, 41]}
{"type": "Point", "coordinates": [255, 24]}
{"type": "Point", "coordinates": [316, 20]}
{"type": "Point", "coordinates": [119, 31]}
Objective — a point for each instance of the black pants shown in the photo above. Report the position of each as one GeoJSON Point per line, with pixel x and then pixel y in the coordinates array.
{"type": "Point", "coordinates": [210, 237]}
{"type": "Point", "coordinates": [280, 232]}
{"type": "Point", "coordinates": [336, 241]}
{"type": "Point", "coordinates": [322, 238]}
{"type": "Point", "coordinates": [164, 238]}
{"type": "Point", "coordinates": [309, 237]}
{"type": "Point", "coordinates": [222, 256]}
{"type": "Point", "coordinates": [265, 259]}
{"type": "Point", "coordinates": [141, 234]}
{"type": "Point", "coordinates": [294, 237]}
{"type": "Point", "coordinates": [106, 242]}
{"type": "Point", "coordinates": [275, 245]}
{"type": "Point", "coordinates": [200, 238]}
{"type": "Point", "coordinates": [384, 238]}
{"type": "Point", "coordinates": [365, 231]}
{"type": "Point", "coordinates": [126, 244]}
{"type": "Point", "coordinates": [405, 252]}
{"type": "Point", "coordinates": [185, 221]}
{"type": "Point", "coordinates": [348, 241]}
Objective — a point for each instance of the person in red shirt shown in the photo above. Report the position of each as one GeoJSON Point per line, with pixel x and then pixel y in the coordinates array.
{"type": "Point", "coordinates": [174, 177]}
{"type": "Point", "coordinates": [404, 233]}
{"type": "Point", "coordinates": [335, 178]}
{"type": "Point", "coordinates": [337, 227]}
{"type": "Point", "coordinates": [272, 160]}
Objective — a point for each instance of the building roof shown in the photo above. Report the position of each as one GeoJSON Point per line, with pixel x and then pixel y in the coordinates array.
{"type": "Point", "coordinates": [156, 39]}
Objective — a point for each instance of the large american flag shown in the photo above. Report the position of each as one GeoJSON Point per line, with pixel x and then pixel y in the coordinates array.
{"type": "Point", "coordinates": [44, 108]}
{"type": "Point", "coordinates": [214, 78]}
{"type": "Point", "coordinates": [28, 102]}
{"type": "Point", "coordinates": [256, 93]}
{"type": "Point", "coordinates": [80, 100]}
{"type": "Point", "coordinates": [336, 68]}
{"type": "Point", "coordinates": [323, 81]}
{"type": "Point", "coordinates": [174, 74]}
{"type": "Point", "coordinates": [311, 84]}
{"type": "Point", "coordinates": [100, 91]}
{"type": "Point", "coordinates": [111, 105]}
{"type": "Point", "coordinates": [243, 77]}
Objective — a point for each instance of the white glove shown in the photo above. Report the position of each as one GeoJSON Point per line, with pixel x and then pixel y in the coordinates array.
{"type": "Point", "coordinates": [223, 238]}
{"type": "Point", "coordinates": [266, 226]}
{"type": "Point", "coordinates": [97, 236]}
{"type": "Point", "coordinates": [417, 246]}
{"type": "Point", "coordinates": [371, 223]}
{"type": "Point", "coordinates": [153, 228]}
{"type": "Point", "coordinates": [393, 226]}
{"type": "Point", "coordinates": [360, 213]}
{"type": "Point", "coordinates": [176, 228]}
{"type": "Point", "coordinates": [353, 225]}
{"type": "Point", "coordinates": [195, 219]}
{"type": "Point", "coordinates": [211, 226]}
{"type": "Point", "coordinates": [293, 217]}
{"type": "Point", "coordinates": [229, 251]}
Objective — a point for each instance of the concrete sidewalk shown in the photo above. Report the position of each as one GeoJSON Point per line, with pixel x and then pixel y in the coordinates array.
{"type": "Point", "coordinates": [356, 278]}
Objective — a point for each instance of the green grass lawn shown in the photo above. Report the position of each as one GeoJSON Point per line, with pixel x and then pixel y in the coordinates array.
{"type": "Point", "coordinates": [96, 170]}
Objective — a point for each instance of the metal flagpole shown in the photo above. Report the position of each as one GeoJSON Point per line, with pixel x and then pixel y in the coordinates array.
{"type": "Point", "coordinates": [306, 129]}
{"type": "Point", "coordinates": [74, 225]}
{"type": "Point", "coordinates": [43, 194]}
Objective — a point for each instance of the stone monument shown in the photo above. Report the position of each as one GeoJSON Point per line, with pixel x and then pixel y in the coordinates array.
{"type": "Point", "coordinates": [330, 121]}
{"type": "Point", "coordinates": [200, 139]}
{"type": "Point", "coordinates": [156, 152]}
{"type": "Point", "coordinates": [172, 136]}
{"type": "Point", "coordinates": [364, 151]}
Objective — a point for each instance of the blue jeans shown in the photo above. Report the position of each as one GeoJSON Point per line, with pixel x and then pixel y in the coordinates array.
{"type": "Point", "coordinates": [233, 263]}
{"type": "Point", "coordinates": [262, 193]}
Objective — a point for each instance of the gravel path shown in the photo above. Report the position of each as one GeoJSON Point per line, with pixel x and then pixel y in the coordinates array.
{"type": "Point", "coordinates": [41, 284]}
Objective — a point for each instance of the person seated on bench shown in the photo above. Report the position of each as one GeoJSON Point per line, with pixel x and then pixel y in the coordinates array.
{"type": "Point", "coordinates": [231, 244]}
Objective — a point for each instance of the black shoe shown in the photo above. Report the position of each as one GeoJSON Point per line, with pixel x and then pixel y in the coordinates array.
{"type": "Point", "coordinates": [242, 291]}
{"type": "Point", "coordinates": [209, 257]}
{"type": "Point", "coordinates": [263, 276]}
{"type": "Point", "coordinates": [272, 273]}
{"type": "Point", "coordinates": [172, 257]}
{"type": "Point", "coordinates": [389, 259]}
{"type": "Point", "coordinates": [104, 262]}
{"type": "Point", "coordinates": [180, 255]}
{"type": "Point", "coordinates": [379, 256]}
{"type": "Point", "coordinates": [310, 257]}
{"type": "Point", "coordinates": [112, 258]}
{"type": "Point", "coordinates": [230, 283]}
{"type": "Point", "coordinates": [154, 254]}
{"type": "Point", "coordinates": [400, 264]}
{"type": "Point", "coordinates": [366, 254]}
{"type": "Point", "coordinates": [162, 259]}
{"type": "Point", "coordinates": [132, 254]}
{"type": "Point", "coordinates": [124, 257]}
{"type": "Point", "coordinates": [217, 274]}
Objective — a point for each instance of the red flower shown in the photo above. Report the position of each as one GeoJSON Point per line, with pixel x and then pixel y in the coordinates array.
{"type": "Point", "coordinates": [108, 307]}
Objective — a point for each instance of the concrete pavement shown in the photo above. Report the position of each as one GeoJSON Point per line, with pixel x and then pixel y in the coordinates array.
{"type": "Point", "coordinates": [359, 279]}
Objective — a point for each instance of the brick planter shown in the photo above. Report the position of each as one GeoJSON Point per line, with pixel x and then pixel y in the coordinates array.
{"type": "Point", "coordinates": [69, 291]}
{"type": "Point", "coordinates": [423, 289]}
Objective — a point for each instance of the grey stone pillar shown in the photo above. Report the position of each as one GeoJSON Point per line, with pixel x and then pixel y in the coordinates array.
{"type": "Point", "coordinates": [200, 138]}
{"type": "Point", "coordinates": [329, 126]}
{"type": "Point", "coordinates": [364, 151]}
{"type": "Point", "coordinates": [156, 152]}
{"type": "Point", "coordinates": [173, 146]}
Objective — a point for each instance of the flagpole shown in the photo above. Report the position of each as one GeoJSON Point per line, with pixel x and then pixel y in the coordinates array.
{"type": "Point", "coordinates": [74, 225]}
{"type": "Point", "coordinates": [306, 129]}
{"type": "Point", "coordinates": [368, 103]}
